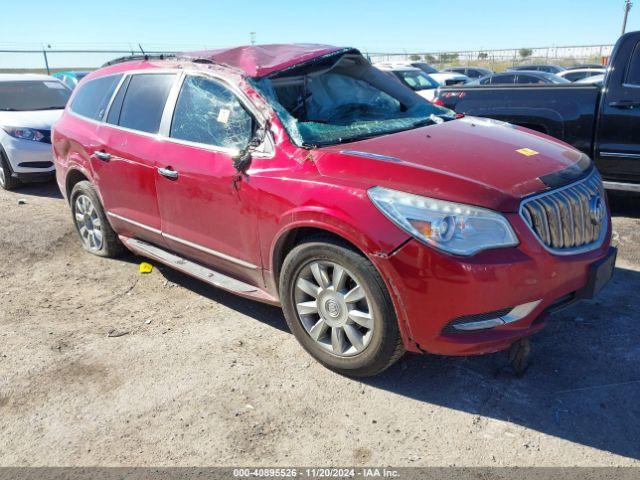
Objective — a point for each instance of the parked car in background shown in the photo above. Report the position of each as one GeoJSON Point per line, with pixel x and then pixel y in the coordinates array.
{"type": "Point", "coordinates": [302, 176]}
{"type": "Point", "coordinates": [586, 65]}
{"type": "Point", "coordinates": [471, 72]}
{"type": "Point", "coordinates": [70, 78]}
{"type": "Point", "coordinates": [537, 68]}
{"type": "Point", "coordinates": [414, 78]}
{"type": "Point", "coordinates": [29, 106]}
{"type": "Point", "coordinates": [519, 78]}
{"type": "Point", "coordinates": [443, 78]}
{"type": "Point", "coordinates": [595, 80]}
{"type": "Point", "coordinates": [602, 122]}
{"type": "Point", "coordinates": [580, 73]}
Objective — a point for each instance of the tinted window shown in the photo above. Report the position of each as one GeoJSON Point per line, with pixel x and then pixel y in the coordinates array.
{"type": "Point", "coordinates": [417, 80]}
{"type": "Point", "coordinates": [529, 79]}
{"type": "Point", "coordinates": [633, 73]}
{"type": "Point", "coordinates": [144, 101]}
{"type": "Point", "coordinates": [503, 79]}
{"type": "Point", "coordinates": [207, 112]}
{"type": "Point", "coordinates": [572, 77]}
{"type": "Point", "coordinates": [92, 99]}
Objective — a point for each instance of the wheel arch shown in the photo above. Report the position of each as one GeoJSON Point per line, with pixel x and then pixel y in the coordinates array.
{"type": "Point", "coordinates": [74, 176]}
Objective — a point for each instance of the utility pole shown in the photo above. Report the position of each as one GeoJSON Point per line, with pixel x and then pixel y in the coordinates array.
{"type": "Point", "coordinates": [252, 37]}
{"type": "Point", "coordinates": [46, 60]}
{"type": "Point", "coordinates": [627, 7]}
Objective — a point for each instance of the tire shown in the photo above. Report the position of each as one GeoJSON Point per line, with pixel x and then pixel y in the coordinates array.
{"type": "Point", "coordinates": [6, 180]}
{"type": "Point", "coordinates": [91, 223]}
{"type": "Point", "coordinates": [313, 262]}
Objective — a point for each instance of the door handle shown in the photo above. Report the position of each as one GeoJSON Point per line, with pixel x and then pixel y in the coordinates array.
{"type": "Point", "coordinates": [624, 104]}
{"type": "Point", "coordinates": [168, 172]}
{"type": "Point", "coordinates": [101, 155]}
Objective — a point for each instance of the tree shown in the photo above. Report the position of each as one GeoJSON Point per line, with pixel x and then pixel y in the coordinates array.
{"type": "Point", "coordinates": [429, 58]}
{"type": "Point", "coordinates": [414, 57]}
{"type": "Point", "coordinates": [525, 52]}
{"type": "Point", "coordinates": [483, 56]}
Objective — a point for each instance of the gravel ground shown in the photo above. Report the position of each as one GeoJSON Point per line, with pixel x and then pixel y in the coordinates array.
{"type": "Point", "coordinates": [205, 378]}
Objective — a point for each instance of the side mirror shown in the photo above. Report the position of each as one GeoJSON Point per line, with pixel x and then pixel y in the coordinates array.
{"type": "Point", "coordinates": [242, 161]}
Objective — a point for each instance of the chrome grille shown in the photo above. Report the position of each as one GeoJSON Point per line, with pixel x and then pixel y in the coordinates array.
{"type": "Point", "coordinates": [570, 219]}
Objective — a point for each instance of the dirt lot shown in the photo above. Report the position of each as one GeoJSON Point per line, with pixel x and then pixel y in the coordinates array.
{"type": "Point", "coordinates": [206, 378]}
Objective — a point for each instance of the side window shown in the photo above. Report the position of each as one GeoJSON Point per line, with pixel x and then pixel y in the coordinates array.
{"type": "Point", "coordinates": [92, 99]}
{"type": "Point", "coordinates": [572, 77]}
{"type": "Point", "coordinates": [633, 71]}
{"type": "Point", "coordinates": [528, 79]}
{"type": "Point", "coordinates": [144, 101]}
{"type": "Point", "coordinates": [207, 112]}
{"type": "Point", "coordinates": [502, 79]}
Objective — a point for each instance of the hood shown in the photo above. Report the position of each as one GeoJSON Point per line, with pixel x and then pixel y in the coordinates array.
{"type": "Point", "coordinates": [38, 119]}
{"type": "Point", "coordinates": [477, 161]}
{"type": "Point", "coordinates": [262, 60]}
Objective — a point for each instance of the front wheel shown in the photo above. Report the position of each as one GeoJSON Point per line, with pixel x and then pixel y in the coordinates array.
{"type": "Point", "coordinates": [7, 181]}
{"type": "Point", "coordinates": [339, 309]}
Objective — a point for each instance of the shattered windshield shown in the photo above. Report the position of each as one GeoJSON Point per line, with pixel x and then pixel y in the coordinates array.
{"type": "Point", "coordinates": [342, 100]}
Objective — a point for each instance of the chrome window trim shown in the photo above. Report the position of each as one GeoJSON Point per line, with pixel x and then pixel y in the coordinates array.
{"type": "Point", "coordinates": [572, 250]}
{"type": "Point", "coordinates": [196, 246]}
{"type": "Point", "coordinates": [266, 150]}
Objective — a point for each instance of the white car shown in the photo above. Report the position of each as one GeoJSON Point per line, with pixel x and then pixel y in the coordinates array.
{"type": "Point", "coordinates": [580, 73]}
{"type": "Point", "coordinates": [414, 78]}
{"type": "Point", "coordinates": [443, 78]}
{"type": "Point", "coordinates": [29, 106]}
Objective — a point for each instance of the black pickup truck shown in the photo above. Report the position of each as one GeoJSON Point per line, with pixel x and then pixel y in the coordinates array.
{"type": "Point", "coordinates": [603, 122]}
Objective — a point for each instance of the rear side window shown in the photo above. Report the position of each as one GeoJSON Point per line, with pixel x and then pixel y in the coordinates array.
{"type": "Point", "coordinates": [207, 112]}
{"type": "Point", "coordinates": [92, 98]}
{"type": "Point", "coordinates": [502, 79]}
{"type": "Point", "coordinates": [144, 101]}
{"type": "Point", "coordinates": [633, 72]}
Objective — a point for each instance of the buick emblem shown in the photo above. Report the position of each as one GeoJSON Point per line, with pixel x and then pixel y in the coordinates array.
{"type": "Point", "coordinates": [597, 210]}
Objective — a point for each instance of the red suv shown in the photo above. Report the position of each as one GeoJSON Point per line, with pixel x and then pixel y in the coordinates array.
{"type": "Point", "coordinates": [301, 176]}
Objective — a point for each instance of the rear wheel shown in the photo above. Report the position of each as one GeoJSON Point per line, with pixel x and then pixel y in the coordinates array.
{"type": "Point", "coordinates": [6, 180]}
{"type": "Point", "coordinates": [92, 225]}
{"type": "Point", "coordinates": [338, 308]}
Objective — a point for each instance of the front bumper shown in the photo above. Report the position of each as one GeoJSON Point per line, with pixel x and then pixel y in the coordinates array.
{"type": "Point", "coordinates": [431, 289]}
{"type": "Point", "coordinates": [29, 159]}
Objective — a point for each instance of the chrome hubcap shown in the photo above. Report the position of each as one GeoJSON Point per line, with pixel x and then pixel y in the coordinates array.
{"type": "Point", "coordinates": [88, 223]}
{"type": "Point", "coordinates": [2, 178]}
{"type": "Point", "coordinates": [334, 308]}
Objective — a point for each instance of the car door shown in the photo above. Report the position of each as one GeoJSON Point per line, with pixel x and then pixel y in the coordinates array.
{"type": "Point", "coordinates": [200, 194]}
{"type": "Point", "coordinates": [617, 146]}
{"type": "Point", "coordinates": [125, 167]}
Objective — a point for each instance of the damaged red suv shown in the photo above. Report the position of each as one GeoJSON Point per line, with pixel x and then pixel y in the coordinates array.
{"type": "Point", "coordinates": [301, 176]}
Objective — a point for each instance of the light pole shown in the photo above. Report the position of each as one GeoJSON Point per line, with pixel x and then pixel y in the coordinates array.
{"type": "Point", "coordinates": [627, 7]}
{"type": "Point", "coordinates": [252, 37]}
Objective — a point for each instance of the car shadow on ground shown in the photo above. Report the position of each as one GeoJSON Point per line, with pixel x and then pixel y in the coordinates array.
{"type": "Point", "coordinates": [583, 383]}
{"type": "Point", "coordinates": [45, 189]}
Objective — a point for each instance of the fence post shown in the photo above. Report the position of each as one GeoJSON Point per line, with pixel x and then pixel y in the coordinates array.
{"type": "Point", "coordinates": [46, 60]}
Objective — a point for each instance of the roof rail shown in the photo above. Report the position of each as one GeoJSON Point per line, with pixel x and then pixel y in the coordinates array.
{"type": "Point", "coordinates": [146, 56]}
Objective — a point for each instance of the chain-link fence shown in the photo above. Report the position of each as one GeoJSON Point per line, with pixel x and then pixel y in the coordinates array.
{"type": "Point", "coordinates": [52, 59]}
{"type": "Point", "coordinates": [498, 60]}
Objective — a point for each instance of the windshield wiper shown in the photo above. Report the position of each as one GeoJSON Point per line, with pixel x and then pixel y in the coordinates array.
{"type": "Point", "coordinates": [53, 107]}
{"type": "Point", "coordinates": [10, 110]}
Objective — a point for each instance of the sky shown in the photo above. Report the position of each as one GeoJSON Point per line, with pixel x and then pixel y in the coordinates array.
{"type": "Point", "coordinates": [373, 26]}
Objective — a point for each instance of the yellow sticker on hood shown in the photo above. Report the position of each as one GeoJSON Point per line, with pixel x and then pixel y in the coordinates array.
{"type": "Point", "coordinates": [527, 152]}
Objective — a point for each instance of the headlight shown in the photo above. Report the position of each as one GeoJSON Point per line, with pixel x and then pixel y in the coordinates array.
{"type": "Point", "coordinates": [25, 133]}
{"type": "Point", "coordinates": [452, 227]}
